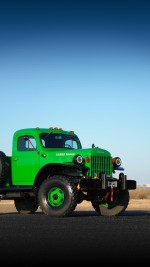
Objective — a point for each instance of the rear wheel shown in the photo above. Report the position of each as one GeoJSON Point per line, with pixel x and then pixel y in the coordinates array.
{"type": "Point", "coordinates": [58, 196]}
{"type": "Point", "coordinates": [4, 166]}
{"type": "Point", "coordinates": [115, 207]}
{"type": "Point", "coordinates": [26, 205]}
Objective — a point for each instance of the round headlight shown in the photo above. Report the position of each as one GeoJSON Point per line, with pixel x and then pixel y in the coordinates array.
{"type": "Point", "coordinates": [117, 161]}
{"type": "Point", "coordinates": [78, 159]}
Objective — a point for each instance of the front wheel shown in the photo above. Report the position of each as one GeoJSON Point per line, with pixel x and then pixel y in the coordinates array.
{"type": "Point", "coordinates": [112, 208]}
{"type": "Point", "coordinates": [58, 196]}
{"type": "Point", "coordinates": [26, 205]}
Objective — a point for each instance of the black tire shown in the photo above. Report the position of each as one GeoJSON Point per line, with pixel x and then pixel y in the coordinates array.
{"type": "Point", "coordinates": [4, 167]}
{"type": "Point", "coordinates": [57, 196]}
{"type": "Point", "coordinates": [26, 205]}
{"type": "Point", "coordinates": [80, 196]}
{"type": "Point", "coordinates": [114, 208]}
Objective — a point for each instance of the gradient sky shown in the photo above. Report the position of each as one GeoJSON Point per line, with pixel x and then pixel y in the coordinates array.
{"type": "Point", "coordinates": [82, 66]}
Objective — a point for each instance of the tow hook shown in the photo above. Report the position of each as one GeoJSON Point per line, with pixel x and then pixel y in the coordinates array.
{"type": "Point", "coordinates": [112, 185]}
{"type": "Point", "coordinates": [111, 193]}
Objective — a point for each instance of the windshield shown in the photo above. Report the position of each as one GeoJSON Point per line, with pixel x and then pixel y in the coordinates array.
{"type": "Point", "coordinates": [52, 140]}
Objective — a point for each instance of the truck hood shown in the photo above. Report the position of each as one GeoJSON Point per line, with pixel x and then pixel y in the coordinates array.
{"type": "Point", "coordinates": [83, 152]}
{"type": "Point", "coordinates": [94, 152]}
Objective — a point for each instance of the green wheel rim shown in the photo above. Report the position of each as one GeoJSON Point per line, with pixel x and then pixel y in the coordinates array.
{"type": "Point", "coordinates": [56, 197]}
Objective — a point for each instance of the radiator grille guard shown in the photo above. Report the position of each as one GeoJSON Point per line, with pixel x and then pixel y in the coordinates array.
{"type": "Point", "coordinates": [100, 164]}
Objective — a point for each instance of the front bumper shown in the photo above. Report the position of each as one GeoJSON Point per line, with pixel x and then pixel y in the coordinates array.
{"type": "Point", "coordinates": [105, 182]}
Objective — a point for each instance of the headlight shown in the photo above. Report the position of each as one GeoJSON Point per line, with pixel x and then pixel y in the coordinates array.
{"type": "Point", "coordinates": [117, 161]}
{"type": "Point", "coordinates": [78, 159]}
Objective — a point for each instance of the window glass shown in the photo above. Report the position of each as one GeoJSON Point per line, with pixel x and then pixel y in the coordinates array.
{"type": "Point", "coordinates": [26, 143]}
{"type": "Point", "coordinates": [60, 141]}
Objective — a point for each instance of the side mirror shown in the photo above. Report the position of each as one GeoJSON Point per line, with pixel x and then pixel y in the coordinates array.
{"type": "Point", "coordinates": [26, 138]}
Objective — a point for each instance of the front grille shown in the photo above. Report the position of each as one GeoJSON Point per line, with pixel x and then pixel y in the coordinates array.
{"type": "Point", "coordinates": [100, 164]}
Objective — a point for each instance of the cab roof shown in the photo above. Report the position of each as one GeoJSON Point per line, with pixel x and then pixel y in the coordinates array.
{"type": "Point", "coordinates": [45, 130]}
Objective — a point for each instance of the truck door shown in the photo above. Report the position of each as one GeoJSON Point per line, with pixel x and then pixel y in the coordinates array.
{"type": "Point", "coordinates": [25, 160]}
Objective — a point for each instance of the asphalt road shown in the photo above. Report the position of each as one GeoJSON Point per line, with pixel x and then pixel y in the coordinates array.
{"type": "Point", "coordinates": [84, 237]}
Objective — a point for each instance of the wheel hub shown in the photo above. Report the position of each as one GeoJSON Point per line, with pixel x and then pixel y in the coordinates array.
{"type": "Point", "coordinates": [56, 197]}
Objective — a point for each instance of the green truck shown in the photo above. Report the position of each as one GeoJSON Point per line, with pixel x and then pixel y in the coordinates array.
{"type": "Point", "coordinates": [50, 170]}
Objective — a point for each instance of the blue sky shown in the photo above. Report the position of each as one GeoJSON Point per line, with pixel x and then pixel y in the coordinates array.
{"type": "Point", "coordinates": [82, 66]}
